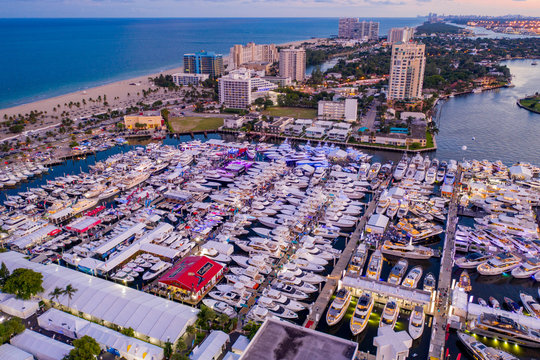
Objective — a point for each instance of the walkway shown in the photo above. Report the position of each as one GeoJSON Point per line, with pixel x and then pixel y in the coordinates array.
{"type": "Point", "coordinates": [438, 334]}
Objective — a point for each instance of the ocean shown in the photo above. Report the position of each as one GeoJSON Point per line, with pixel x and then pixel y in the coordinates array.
{"type": "Point", "coordinates": [50, 57]}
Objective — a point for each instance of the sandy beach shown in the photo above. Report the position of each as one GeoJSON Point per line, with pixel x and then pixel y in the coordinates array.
{"type": "Point", "coordinates": [118, 94]}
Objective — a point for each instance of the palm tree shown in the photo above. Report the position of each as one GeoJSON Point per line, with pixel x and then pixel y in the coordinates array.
{"type": "Point", "coordinates": [55, 294]}
{"type": "Point", "coordinates": [69, 291]}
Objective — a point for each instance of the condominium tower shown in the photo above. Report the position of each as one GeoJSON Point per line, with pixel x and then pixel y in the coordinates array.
{"type": "Point", "coordinates": [292, 64]}
{"type": "Point", "coordinates": [241, 87]}
{"type": "Point", "coordinates": [353, 28]}
{"type": "Point", "coordinates": [251, 52]}
{"type": "Point", "coordinates": [407, 71]}
{"type": "Point", "coordinates": [404, 34]}
{"type": "Point", "coordinates": [204, 62]}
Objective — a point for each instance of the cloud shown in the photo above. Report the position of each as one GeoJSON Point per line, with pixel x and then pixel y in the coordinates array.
{"type": "Point", "coordinates": [385, 2]}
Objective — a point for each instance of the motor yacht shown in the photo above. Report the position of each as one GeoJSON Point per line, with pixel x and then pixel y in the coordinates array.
{"type": "Point", "coordinates": [512, 305]}
{"type": "Point", "coordinates": [408, 251]}
{"type": "Point", "coordinates": [279, 298]}
{"type": "Point", "coordinates": [481, 351]}
{"type": "Point", "coordinates": [503, 327]}
{"type": "Point", "coordinates": [375, 265]}
{"type": "Point", "coordinates": [356, 266]}
{"type": "Point", "coordinates": [531, 305]}
{"type": "Point", "coordinates": [472, 260]}
{"type": "Point", "coordinates": [289, 291]}
{"type": "Point", "coordinates": [527, 268]}
{"type": "Point", "coordinates": [464, 281]}
{"type": "Point", "coordinates": [339, 307]}
{"type": "Point", "coordinates": [155, 270]}
{"type": "Point", "coordinates": [494, 303]}
{"type": "Point", "coordinates": [220, 307]}
{"type": "Point", "coordinates": [413, 277]}
{"type": "Point", "coordinates": [498, 264]}
{"type": "Point", "coordinates": [398, 271]}
{"type": "Point", "coordinates": [276, 309]}
{"type": "Point", "coordinates": [390, 314]}
{"type": "Point", "coordinates": [416, 322]}
{"type": "Point", "coordinates": [429, 282]}
{"type": "Point", "coordinates": [361, 314]}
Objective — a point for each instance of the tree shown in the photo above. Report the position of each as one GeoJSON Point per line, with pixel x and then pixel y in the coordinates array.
{"type": "Point", "coordinates": [55, 294]}
{"type": "Point", "coordinates": [191, 330]}
{"type": "Point", "coordinates": [128, 331]}
{"type": "Point", "coordinates": [69, 291]}
{"type": "Point", "coordinates": [24, 283]}
{"type": "Point", "coordinates": [86, 348]}
{"type": "Point", "coordinates": [9, 328]}
{"type": "Point", "coordinates": [4, 274]}
{"type": "Point", "coordinates": [167, 350]}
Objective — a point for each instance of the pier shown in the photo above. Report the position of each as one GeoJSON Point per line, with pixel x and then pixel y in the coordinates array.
{"type": "Point", "coordinates": [438, 334]}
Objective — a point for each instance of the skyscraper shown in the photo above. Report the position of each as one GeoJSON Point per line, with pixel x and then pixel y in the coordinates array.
{"type": "Point", "coordinates": [251, 52]}
{"type": "Point", "coordinates": [204, 62]}
{"type": "Point", "coordinates": [404, 34]}
{"type": "Point", "coordinates": [407, 71]}
{"type": "Point", "coordinates": [352, 28]}
{"type": "Point", "coordinates": [292, 63]}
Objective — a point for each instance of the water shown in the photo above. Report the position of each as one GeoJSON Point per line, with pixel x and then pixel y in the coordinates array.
{"type": "Point", "coordinates": [50, 57]}
{"type": "Point", "coordinates": [501, 130]}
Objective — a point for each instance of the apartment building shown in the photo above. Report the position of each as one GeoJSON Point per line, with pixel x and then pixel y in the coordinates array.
{"type": "Point", "coordinates": [346, 110]}
{"type": "Point", "coordinates": [404, 34]}
{"type": "Point", "coordinates": [241, 87]}
{"type": "Point", "coordinates": [189, 79]}
{"type": "Point", "coordinates": [292, 64]}
{"type": "Point", "coordinates": [406, 71]}
{"type": "Point", "coordinates": [353, 28]}
{"type": "Point", "coordinates": [204, 62]}
{"type": "Point", "coordinates": [252, 53]}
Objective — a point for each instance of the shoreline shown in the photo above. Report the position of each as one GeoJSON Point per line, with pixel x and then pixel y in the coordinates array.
{"type": "Point", "coordinates": [112, 89]}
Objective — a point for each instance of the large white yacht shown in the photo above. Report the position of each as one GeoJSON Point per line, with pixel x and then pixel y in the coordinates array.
{"type": "Point", "coordinates": [390, 314]}
{"type": "Point", "coordinates": [362, 312]}
{"type": "Point", "coordinates": [416, 322]}
{"type": "Point", "coordinates": [499, 264]}
{"type": "Point", "coordinates": [373, 271]}
{"type": "Point", "coordinates": [527, 268]}
{"type": "Point", "coordinates": [406, 250]}
{"type": "Point", "coordinates": [481, 351]}
{"type": "Point", "coordinates": [339, 306]}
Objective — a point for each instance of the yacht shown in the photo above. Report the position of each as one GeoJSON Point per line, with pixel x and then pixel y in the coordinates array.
{"type": "Point", "coordinates": [494, 303]}
{"type": "Point", "coordinates": [397, 272]}
{"type": "Point", "coordinates": [464, 281]}
{"type": "Point", "coordinates": [363, 309]}
{"type": "Point", "coordinates": [512, 305]}
{"type": "Point", "coordinates": [290, 292]}
{"type": "Point", "coordinates": [389, 314]}
{"type": "Point", "coordinates": [358, 260]}
{"type": "Point", "coordinates": [481, 351]}
{"type": "Point", "coordinates": [431, 175]}
{"type": "Point", "coordinates": [401, 168]}
{"type": "Point", "coordinates": [441, 172]}
{"type": "Point", "coordinates": [505, 328]}
{"type": "Point", "coordinates": [499, 264]}
{"type": "Point", "coordinates": [429, 282]}
{"type": "Point", "coordinates": [339, 306]}
{"type": "Point", "coordinates": [532, 307]}
{"type": "Point", "coordinates": [529, 267]}
{"type": "Point", "coordinates": [375, 266]}
{"type": "Point", "coordinates": [155, 270]}
{"type": "Point", "coordinates": [277, 309]}
{"type": "Point", "coordinates": [258, 313]}
{"type": "Point", "coordinates": [408, 251]}
{"type": "Point", "coordinates": [281, 299]}
{"type": "Point", "coordinates": [393, 208]}
{"type": "Point", "coordinates": [413, 277]}
{"type": "Point", "coordinates": [472, 260]}
{"type": "Point", "coordinates": [416, 322]}
{"type": "Point", "coordinates": [220, 307]}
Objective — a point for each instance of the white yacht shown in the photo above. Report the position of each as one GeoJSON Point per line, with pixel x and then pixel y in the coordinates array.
{"type": "Point", "coordinates": [408, 251]}
{"type": "Point", "coordinates": [499, 264]}
{"type": "Point", "coordinates": [390, 314]}
{"type": "Point", "coordinates": [339, 306]}
{"type": "Point", "coordinates": [481, 351]}
{"type": "Point", "coordinates": [416, 322]}
{"type": "Point", "coordinates": [220, 307]}
{"type": "Point", "coordinates": [363, 309]}
{"type": "Point", "coordinates": [531, 305]}
{"type": "Point", "coordinates": [155, 270]}
{"type": "Point", "coordinates": [413, 277]}
{"type": "Point", "coordinates": [472, 260]}
{"type": "Point", "coordinates": [374, 268]}
{"type": "Point", "coordinates": [527, 268]}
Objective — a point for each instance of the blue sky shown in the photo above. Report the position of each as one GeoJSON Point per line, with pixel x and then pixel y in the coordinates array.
{"type": "Point", "coordinates": [261, 8]}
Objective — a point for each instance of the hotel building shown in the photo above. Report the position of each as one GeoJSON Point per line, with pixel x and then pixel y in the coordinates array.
{"type": "Point", "coordinates": [353, 28]}
{"type": "Point", "coordinates": [406, 71]}
{"type": "Point", "coordinates": [338, 110]}
{"type": "Point", "coordinates": [252, 53]}
{"type": "Point", "coordinates": [241, 87]}
{"type": "Point", "coordinates": [189, 79]}
{"type": "Point", "coordinates": [292, 64]}
{"type": "Point", "coordinates": [204, 62]}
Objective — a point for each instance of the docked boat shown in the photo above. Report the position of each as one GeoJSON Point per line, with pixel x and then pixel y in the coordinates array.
{"type": "Point", "coordinates": [408, 251]}
{"type": "Point", "coordinates": [527, 268]}
{"type": "Point", "coordinates": [416, 322]}
{"type": "Point", "coordinates": [482, 302]}
{"type": "Point", "coordinates": [499, 264]}
{"type": "Point", "coordinates": [464, 281]}
{"type": "Point", "coordinates": [494, 303]}
{"type": "Point", "coordinates": [375, 266]}
{"type": "Point", "coordinates": [339, 307]}
{"type": "Point", "coordinates": [472, 260]}
{"type": "Point", "coordinates": [481, 351]}
{"type": "Point", "coordinates": [363, 309]}
{"type": "Point", "coordinates": [220, 307]}
{"type": "Point", "coordinates": [413, 277]}
{"type": "Point", "coordinates": [429, 282]}
{"type": "Point", "coordinates": [358, 260]}
{"type": "Point", "coordinates": [390, 314]}
{"type": "Point", "coordinates": [505, 328]}
{"type": "Point", "coordinates": [279, 298]}
{"type": "Point", "coordinates": [290, 291]}
{"type": "Point", "coordinates": [531, 305]}
{"type": "Point", "coordinates": [512, 305]}
{"type": "Point", "coordinates": [398, 271]}
{"type": "Point", "coordinates": [155, 270]}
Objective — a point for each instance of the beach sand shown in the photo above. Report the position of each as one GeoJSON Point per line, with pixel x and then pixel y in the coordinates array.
{"type": "Point", "coordinates": [116, 92]}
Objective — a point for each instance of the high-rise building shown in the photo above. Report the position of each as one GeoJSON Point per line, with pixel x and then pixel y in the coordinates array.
{"type": "Point", "coordinates": [292, 63]}
{"type": "Point", "coordinates": [251, 52]}
{"type": "Point", "coordinates": [204, 62]}
{"type": "Point", "coordinates": [404, 34]}
{"type": "Point", "coordinates": [338, 110]}
{"type": "Point", "coordinates": [353, 28]}
{"type": "Point", "coordinates": [241, 87]}
{"type": "Point", "coordinates": [407, 71]}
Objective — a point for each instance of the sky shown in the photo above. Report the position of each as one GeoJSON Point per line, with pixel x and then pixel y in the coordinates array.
{"type": "Point", "coordinates": [262, 8]}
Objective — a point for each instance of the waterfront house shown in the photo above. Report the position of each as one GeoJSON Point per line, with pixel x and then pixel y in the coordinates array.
{"type": "Point", "coordinates": [338, 134]}
{"type": "Point", "coordinates": [304, 122]}
{"type": "Point", "coordinates": [234, 122]}
{"type": "Point", "coordinates": [315, 132]}
{"type": "Point", "coordinates": [294, 130]}
{"type": "Point", "coordinates": [327, 125]}
{"type": "Point", "coordinates": [278, 126]}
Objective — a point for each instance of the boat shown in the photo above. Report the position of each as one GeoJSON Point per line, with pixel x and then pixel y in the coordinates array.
{"type": "Point", "coordinates": [482, 302]}
{"type": "Point", "coordinates": [505, 328]}
{"type": "Point", "coordinates": [279, 298]}
{"type": "Point", "coordinates": [416, 322]}
{"type": "Point", "coordinates": [494, 303]}
{"type": "Point", "coordinates": [408, 251]}
{"type": "Point", "coordinates": [531, 305]}
{"type": "Point", "coordinates": [499, 264]}
{"type": "Point", "coordinates": [363, 309]}
{"type": "Point", "coordinates": [472, 260]}
{"type": "Point", "coordinates": [390, 314]}
{"type": "Point", "coordinates": [356, 266]}
{"type": "Point", "coordinates": [398, 271]}
{"type": "Point", "coordinates": [429, 282]}
{"type": "Point", "coordinates": [413, 277]}
{"type": "Point", "coordinates": [289, 291]}
{"type": "Point", "coordinates": [374, 266]}
{"type": "Point", "coordinates": [464, 281]}
{"type": "Point", "coordinates": [512, 305]}
{"type": "Point", "coordinates": [481, 351]}
{"type": "Point", "coordinates": [277, 309]}
{"type": "Point", "coordinates": [258, 313]}
{"type": "Point", "coordinates": [155, 270]}
{"type": "Point", "coordinates": [527, 268]}
{"type": "Point", "coordinates": [220, 307]}
{"type": "Point", "coordinates": [339, 307]}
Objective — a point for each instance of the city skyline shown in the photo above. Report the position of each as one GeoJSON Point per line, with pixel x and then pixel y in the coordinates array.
{"type": "Point", "coordinates": [238, 8]}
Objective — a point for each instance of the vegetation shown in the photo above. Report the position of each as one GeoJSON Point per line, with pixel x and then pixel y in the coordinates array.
{"type": "Point", "coordinates": [10, 328]}
{"type": "Point", "coordinates": [531, 103]}
{"type": "Point", "coordinates": [86, 348]}
{"type": "Point", "coordinates": [429, 28]}
{"type": "Point", "coordinates": [251, 329]}
{"type": "Point", "coordinates": [23, 283]}
{"type": "Point", "coordinates": [294, 98]}
{"type": "Point", "coordinates": [4, 274]}
{"type": "Point", "coordinates": [128, 332]}
{"type": "Point", "coordinates": [299, 113]}
{"type": "Point", "coordinates": [164, 81]}
{"type": "Point", "coordinates": [193, 123]}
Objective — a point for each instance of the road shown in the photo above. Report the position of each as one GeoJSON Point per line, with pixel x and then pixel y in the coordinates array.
{"type": "Point", "coordinates": [369, 119]}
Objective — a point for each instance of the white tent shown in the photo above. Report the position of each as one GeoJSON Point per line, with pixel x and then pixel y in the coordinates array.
{"type": "Point", "coordinates": [10, 352]}
{"type": "Point", "coordinates": [62, 323]}
{"type": "Point", "coordinates": [520, 172]}
{"type": "Point", "coordinates": [16, 307]}
{"type": "Point", "coordinates": [41, 346]}
{"type": "Point", "coordinates": [212, 347]}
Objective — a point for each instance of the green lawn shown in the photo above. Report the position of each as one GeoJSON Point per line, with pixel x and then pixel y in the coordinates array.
{"type": "Point", "coordinates": [194, 123]}
{"type": "Point", "coordinates": [531, 103]}
{"type": "Point", "coordinates": [299, 113]}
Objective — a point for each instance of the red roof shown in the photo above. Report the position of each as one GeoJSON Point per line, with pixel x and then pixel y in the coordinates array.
{"type": "Point", "coordinates": [192, 274]}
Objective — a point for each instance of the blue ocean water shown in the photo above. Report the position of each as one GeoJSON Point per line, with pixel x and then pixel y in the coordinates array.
{"type": "Point", "coordinates": [49, 57]}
